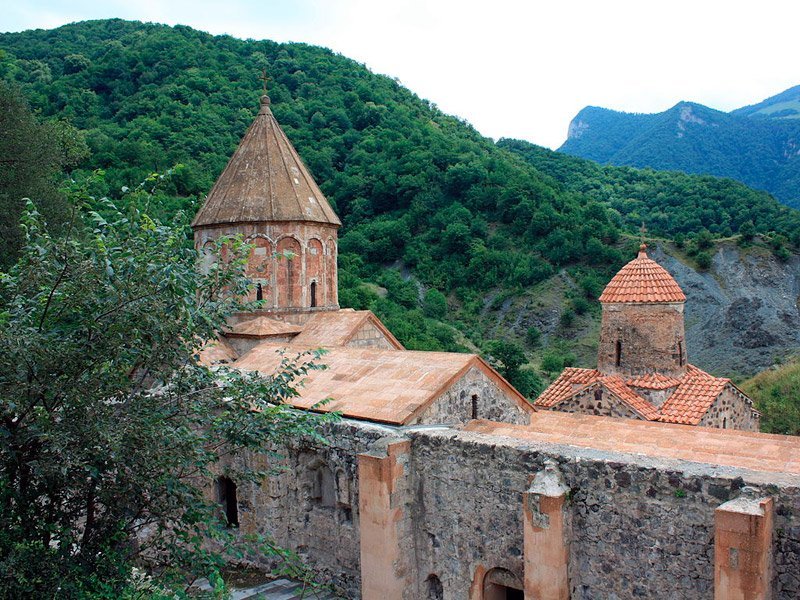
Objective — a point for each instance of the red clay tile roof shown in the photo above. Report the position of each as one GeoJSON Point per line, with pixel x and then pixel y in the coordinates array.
{"type": "Point", "coordinates": [570, 380]}
{"type": "Point", "coordinates": [616, 386]}
{"type": "Point", "coordinates": [729, 447]}
{"type": "Point", "coordinates": [336, 328]}
{"type": "Point", "coordinates": [263, 327]}
{"type": "Point", "coordinates": [264, 181]}
{"type": "Point", "coordinates": [652, 381]}
{"type": "Point", "coordinates": [693, 397]}
{"type": "Point", "coordinates": [694, 393]}
{"type": "Point", "coordinates": [642, 280]}
{"type": "Point", "coordinates": [217, 352]}
{"type": "Point", "coordinates": [385, 386]}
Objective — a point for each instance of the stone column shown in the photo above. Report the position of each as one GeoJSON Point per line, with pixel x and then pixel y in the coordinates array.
{"type": "Point", "coordinates": [546, 536]}
{"type": "Point", "coordinates": [743, 548]}
{"type": "Point", "coordinates": [384, 523]}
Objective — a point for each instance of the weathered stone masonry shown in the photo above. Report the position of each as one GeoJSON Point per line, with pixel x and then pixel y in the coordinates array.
{"type": "Point", "coordinates": [631, 526]}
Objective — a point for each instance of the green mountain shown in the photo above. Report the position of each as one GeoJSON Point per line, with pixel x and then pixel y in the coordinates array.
{"type": "Point", "coordinates": [758, 145]}
{"type": "Point", "coordinates": [457, 243]}
{"type": "Point", "coordinates": [785, 105]}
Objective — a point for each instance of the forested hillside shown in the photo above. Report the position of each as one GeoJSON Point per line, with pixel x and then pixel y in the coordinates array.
{"type": "Point", "coordinates": [758, 145]}
{"type": "Point", "coordinates": [476, 233]}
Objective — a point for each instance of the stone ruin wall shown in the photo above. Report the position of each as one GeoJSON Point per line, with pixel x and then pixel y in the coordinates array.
{"type": "Point", "coordinates": [731, 410]}
{"type": "Point", "coordinates": [639, 527]}
{"type": "Point", "coordinates": [321, 525]}
{"type": "Point", "coordinates": [491, 402]}
{"type": "Point", "coordinates": [605, 404]}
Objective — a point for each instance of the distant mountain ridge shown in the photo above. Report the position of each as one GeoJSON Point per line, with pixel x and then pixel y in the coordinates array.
{"type": "Point", "coordinates": [758, 145]}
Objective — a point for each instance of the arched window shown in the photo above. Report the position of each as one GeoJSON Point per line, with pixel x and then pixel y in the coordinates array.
{"type": "Point", "coordinates": [474, 406]}
{"type": "Point", "coordinates": [313, 293]}
{"type": "Point", "coordinates": [323, 486]}
{"type": "Point", "coordinates": [724, 422]}
{"type": "Point", "coordinates": [226, 496]}
{"type": "Point", "coordinates": [681, 360]}
{"type": "Point", "coordinates": [259, 292]}
{"type": "Point", "coordinates": [618, 357]}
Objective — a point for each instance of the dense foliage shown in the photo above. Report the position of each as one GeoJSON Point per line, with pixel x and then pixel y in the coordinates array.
{"type": "Point", "coordinates": [414, 186]}
{"type": "Point", "coordinates": [444, 231]}
{"type": "Point", "coordinates": [669, 204]}
{"type": "Point", "coordinates": [109, 426]}
{"type": "Point", "coordinates": [755, 145]}
{"type": "Point", "coordinates": [776, 393]}
{"type": "Point", "coordinates": [32, 157]}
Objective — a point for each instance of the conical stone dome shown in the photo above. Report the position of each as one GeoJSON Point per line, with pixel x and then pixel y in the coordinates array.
{"type": "Point", "coordinates": [265, 181]}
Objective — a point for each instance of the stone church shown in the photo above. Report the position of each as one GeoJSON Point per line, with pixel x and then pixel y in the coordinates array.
{"type": "Point", "coordinates": [442, 482]}
{"type": "Point", "coordinates": [642, 371]}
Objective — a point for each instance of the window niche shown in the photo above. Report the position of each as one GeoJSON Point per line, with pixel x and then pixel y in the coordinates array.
{"type": "Point", "coordinates": [226, 496]}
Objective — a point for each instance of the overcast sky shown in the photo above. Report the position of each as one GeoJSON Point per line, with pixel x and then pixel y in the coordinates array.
{"type": "Point", "coordinates": [512, 69]}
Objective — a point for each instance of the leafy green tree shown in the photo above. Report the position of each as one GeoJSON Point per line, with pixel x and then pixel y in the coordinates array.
{"type": "Point", "coordinates": [747, 231]}
{"type": "Point", "coordinates": [32, 156]}
{"type": "Point", "coordinates": [533, 336]}
{"type": "Point", "coordinates": [554, 360]}
{"type": "Point", "coordinates": [703, 260]}
{"type": "Point", "coordinates": [776, 393]}
{"type": "Point", "coordinates": [435, 304]}
{"type": "Point", "coordinates": [110, 426]}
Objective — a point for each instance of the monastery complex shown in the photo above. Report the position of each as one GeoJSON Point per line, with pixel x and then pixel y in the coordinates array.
{"type": "Point", "coordinates": [642, 478]}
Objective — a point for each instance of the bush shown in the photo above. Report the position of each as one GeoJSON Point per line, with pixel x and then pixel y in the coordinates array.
{"type": "Point", "coordinates": [554, 360]}
{"type": "Point", "coordinates": [579, 305]}
{"type": "Point", "coordinates": [703, 260]}
{"type": "Point", "coordinates": [435, 304]}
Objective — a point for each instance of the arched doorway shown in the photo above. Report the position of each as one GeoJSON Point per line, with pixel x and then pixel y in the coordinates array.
{"type": "Point", "coordinates": [502, 584]}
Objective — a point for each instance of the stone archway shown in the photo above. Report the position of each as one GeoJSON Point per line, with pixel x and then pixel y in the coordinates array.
{"type": "Point", "coordinates": [496, 584]}
{"type": "Point", "coordinates": [500, 584]}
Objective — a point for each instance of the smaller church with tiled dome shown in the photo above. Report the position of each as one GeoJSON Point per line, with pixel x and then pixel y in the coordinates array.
{"type": "Point", "coordinates": [642, 370]}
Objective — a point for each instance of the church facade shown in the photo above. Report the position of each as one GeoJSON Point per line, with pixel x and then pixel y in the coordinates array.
{"type": "Point", "coordinates": [442, 482]}
{"type": "Point", "coordinates": [642, 370]}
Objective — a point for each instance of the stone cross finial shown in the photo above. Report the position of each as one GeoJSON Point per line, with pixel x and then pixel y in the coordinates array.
{"type": "Point", "coordinates": [264, 78]}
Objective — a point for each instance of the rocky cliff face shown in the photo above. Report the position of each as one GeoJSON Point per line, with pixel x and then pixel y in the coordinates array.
{"type": "Point", "coordinates": [743, 315]}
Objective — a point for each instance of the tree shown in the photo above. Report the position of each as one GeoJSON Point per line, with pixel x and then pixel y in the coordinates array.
{"type": "Point", "coordinates": [435, 304]}
{"type": "Point", "coordinates": [110, 425]}
{"type": "Point", "coordinates": [32, 156]}
{"type": "Point", "coordinates": [509, 356]}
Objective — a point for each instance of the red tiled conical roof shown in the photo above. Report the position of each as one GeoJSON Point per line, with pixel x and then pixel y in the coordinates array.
{"type": "Point", "coordinates": [642, 280]}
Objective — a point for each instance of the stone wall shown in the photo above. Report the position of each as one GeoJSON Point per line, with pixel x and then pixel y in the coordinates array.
{"type": "Point", "coordinates": [309, 501]}
{"type": "Point", "coordinates": [635, 526]}
{"type": "Point", "coordinates": [636, 339]}
{"type": "Point", "coordinates": [640, 528]}
{"type": "Point", "coordinates": [474, 396]}
{"type": "Point", "coordinates": [731, 410]}
{"type": "Point", "coordinates": [597, 401]}
{"type": "Point", "coordinates": [286, 283]}
{"type": "Point", "coordinates": [369, 336]}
